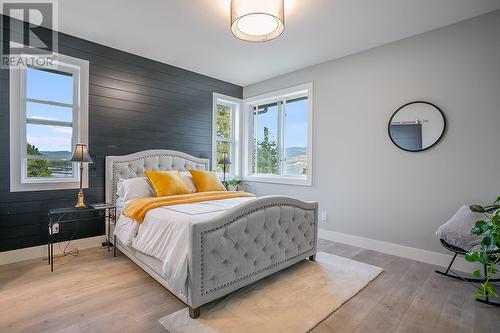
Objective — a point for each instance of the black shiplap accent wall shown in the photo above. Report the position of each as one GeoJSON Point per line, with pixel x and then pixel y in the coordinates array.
{"type": "Point", "coordinates": [134, 104]}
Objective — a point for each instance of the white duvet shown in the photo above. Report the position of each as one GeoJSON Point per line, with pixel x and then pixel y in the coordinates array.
{"type": "Point", "coordinates": [164, 235]}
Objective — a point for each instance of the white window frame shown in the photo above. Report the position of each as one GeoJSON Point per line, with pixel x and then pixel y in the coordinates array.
{"type": "Point", "coordinates": [235, 104]}
{"type": "Point", "coordinates": [276, 96]}
{"type": "Point", "coordinates": [18, 179]}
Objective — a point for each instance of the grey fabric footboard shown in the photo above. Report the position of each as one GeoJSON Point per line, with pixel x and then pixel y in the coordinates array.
{"type": "Point", "coordinates": [248, 243]}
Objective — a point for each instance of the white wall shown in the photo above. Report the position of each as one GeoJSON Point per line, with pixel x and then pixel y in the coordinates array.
{"type": "Point", "coordinates": [369, 187]}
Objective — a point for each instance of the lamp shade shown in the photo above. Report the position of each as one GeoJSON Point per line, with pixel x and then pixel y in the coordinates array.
{"type": "Point", "coordinates": [224, 158]}
{"type": "Point", "coordinates": [257, 20]}
{"type": "Point", "coordinates": [81, 154]}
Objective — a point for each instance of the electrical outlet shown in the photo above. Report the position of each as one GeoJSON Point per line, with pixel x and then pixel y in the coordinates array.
{"type": "Point", "coordinates": [55, 228]}
{"type": "Point", "coordinates": [324, 217]}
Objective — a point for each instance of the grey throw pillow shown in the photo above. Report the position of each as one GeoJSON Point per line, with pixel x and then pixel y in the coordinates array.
{"type": "Point", "coordinates": [457, 231]}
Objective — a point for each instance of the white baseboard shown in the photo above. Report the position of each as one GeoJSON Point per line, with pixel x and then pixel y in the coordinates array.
{"type": "Point", "coordinates": [35, 252]}
{"type": "Point", "coordinates": [429, 257]}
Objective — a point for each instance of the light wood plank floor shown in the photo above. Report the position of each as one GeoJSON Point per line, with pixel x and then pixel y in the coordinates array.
{"type": "Point", "coordinates": [95, 292]}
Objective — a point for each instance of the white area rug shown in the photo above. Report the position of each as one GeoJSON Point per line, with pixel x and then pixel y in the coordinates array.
{"type": "Point", "coordinates": [293, 300]}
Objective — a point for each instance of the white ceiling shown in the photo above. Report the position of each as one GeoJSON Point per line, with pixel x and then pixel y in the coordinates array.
{"type": "Point", "coordinates": [195, 34]}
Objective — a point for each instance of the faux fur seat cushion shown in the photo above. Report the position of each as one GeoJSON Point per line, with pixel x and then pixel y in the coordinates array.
{"type": "Point", "coordinates": [457, 231]}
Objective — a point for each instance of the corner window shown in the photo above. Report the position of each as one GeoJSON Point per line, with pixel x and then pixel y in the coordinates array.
{"type": "Point", "coordinates": [279, 133]}
{"type": "Point", "coordinates": [226, 133]}
{"type": "Point", "coordinates": [48, 117]}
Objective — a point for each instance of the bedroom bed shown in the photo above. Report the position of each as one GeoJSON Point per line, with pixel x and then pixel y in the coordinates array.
{"type": "Point", "coordinates": [205, 250]}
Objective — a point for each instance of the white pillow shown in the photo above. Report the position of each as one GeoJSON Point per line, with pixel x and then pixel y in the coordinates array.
{"type": "Point", "coordinates": [133, 188]}
{"type": "Point", "coordinates": [188, 179]}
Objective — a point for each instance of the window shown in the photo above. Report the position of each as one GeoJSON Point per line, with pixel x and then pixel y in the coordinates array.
{"type": "Point", "coordinates": [226, 133]}
{"type": "Point", "coordinates": [279, 133]}
{"type": "Point", "coordinates": [49, 116]}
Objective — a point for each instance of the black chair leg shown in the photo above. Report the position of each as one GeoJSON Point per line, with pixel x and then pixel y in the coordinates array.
{"type": "Point", "coordinates": [458, 277]}
{"type": "Point", "coordinates": [487, 301]}
{"type": "Point", "coordinates": [456, 251]}
{"type": "Point", "coordinates": [448, 268]}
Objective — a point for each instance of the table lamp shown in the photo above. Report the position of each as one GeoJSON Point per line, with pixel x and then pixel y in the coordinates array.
{"type": "Point", "coordinates": [81, 154]}
{"type": "Point", "coordinates": [224, 160]}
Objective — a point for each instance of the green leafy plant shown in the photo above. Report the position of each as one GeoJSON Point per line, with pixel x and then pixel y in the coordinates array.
{"type": "Point", "coordinates": [236, 183]}
{"type": "Point", "coordinates": [489, 229]}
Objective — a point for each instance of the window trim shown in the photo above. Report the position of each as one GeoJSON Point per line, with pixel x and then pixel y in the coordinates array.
{"type": "Point", "coordinates": [235, 139]}
{"type": "Point", "coordinates": [18, 181]}
{"type": "Point", "coordinates": [249, 104]}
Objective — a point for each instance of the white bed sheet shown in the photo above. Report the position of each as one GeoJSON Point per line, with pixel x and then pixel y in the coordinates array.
{"type": "Point", "coordinates": [164, 235]}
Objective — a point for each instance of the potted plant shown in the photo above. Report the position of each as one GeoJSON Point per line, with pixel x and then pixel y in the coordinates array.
{"type": "Point", "coordinates": [488, 254]}
{"type": "Point", "coordinates": [236, 185]}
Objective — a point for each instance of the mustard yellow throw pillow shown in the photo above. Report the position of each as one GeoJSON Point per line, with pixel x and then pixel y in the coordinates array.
{"type": "Point", "coordinates": [206, 181]}
{"type": "Point", "coordinates": [167, 183]}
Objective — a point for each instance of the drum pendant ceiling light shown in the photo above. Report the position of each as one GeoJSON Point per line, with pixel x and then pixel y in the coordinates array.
{"type": "Point", "coordinates": [257, 20]}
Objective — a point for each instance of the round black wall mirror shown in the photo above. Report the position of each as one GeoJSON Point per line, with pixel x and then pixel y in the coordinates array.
{"type": "Point", "coordinates": [417, 126]}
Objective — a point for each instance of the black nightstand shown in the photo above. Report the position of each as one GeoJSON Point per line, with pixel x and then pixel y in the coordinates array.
{"type": "Point", "coordinates": [59, 216]}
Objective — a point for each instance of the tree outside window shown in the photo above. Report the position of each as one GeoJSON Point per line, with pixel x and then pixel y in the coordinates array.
{"type": "Point", "coordinates": [224, 135]}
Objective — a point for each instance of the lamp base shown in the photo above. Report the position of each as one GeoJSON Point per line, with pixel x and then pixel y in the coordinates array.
{"type": "Point", "coordinates": [80, 203]}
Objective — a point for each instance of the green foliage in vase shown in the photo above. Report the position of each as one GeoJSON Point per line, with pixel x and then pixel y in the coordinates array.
{"type": "Point", "coordinates": [235, 182]}
{"type": "Point", "coordinates": [489, 230]}
{"type": "Point", "coordinates": [37, 167]}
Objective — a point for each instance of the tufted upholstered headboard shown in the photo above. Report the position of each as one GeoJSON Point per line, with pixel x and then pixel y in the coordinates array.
{"type": "Point", "coordinates": [134, 165]}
